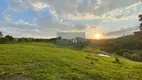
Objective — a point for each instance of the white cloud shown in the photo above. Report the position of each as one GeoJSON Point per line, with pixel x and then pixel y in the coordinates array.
{"type": "Point", "coordinates": [122, 31]}
{"type": "Point", "coordinates": [88, 9]}
{"type": "Point", "coordinates": [74, 9]}
{"type": "Point", "coordinates": [69, 15]}
{"type": "Point", "coordinates": [17, 5]}
{"type": "Point", "coordinates": [130, 12]}
{"type": "Point", "coordinates": [17, 28]}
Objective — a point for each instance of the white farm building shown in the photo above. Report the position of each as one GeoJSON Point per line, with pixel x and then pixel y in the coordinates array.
{"type": "Point", "coordinates": [70, 37]}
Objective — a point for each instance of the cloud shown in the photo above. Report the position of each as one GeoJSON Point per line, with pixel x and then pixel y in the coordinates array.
{"type": "Point", "coordinates": [17, 28]}
{"type": "Point", "coordinates": [17, 5]}
{"type": "Point", "coordinates": [19, 24]}
{"type": "Point", "coordinates": [45, 26]}
{"type": "Point", "coordinates": [46, 22]}
{"type": "Point", "coordinates": [74, 9]}
{"type": "Point", "coordinates": [84, 27]}
{"type": "Point", "coordinates": [89, 9]}
{"type": "Point", "coordinates": [122, 31]}
{"type": "Point", "coordinates": [130, 12]}
{"type": "Point", "coordinates": [69, 15]}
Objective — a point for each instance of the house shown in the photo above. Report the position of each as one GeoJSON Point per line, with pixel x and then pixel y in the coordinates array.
{"type": "Point", "coordinates": [70, 37]}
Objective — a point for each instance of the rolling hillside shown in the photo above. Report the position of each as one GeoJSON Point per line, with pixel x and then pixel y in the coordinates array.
{"type": "Point", "coordinates": [46, 61]}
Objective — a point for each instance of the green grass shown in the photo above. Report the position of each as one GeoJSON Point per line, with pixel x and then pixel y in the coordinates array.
{"type": "Point", "coordinates": [46, 61]}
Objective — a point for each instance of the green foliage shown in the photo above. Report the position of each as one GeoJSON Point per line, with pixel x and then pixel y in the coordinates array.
{"type": "Point", "coordinates": [117, 60]}
{"type": "Point", "coordinates": [2, 40]}
{"type": "Point", "coordinates": [124, 51]}
{"type": "Point", "coordinates": [80, 45]}
{"type": "Point", "coordinates": [140, 17]}
{"type": "Point", "coordinates": [130, 54]}
{"type": "Point", "coordinates": [10, 38]}
{"type": "Point", "coordinates": [1, 34]}
{"type": "Point", "coordinates": [136, 57]}
{"type": "Point", "coordinates": [123, 46]}
{"type": "Point", "coordinates": [45, 61]}
{"type": "Point", "coordinates": [7, 39]}
{"type": "Point", "coordinates": [110, 45]}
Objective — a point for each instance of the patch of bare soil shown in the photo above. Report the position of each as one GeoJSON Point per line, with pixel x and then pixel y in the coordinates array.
{"type": "Point", "coordinates": [17, 77]}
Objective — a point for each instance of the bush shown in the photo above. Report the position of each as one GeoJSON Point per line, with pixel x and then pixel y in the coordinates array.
{"type": "Point", "coordinates": [127, 55]}
{"type": "Point", "coordinates": [117, 60]}
{"type": "Point", "coordinates": [136, 57]}
{"type": "Point", "coordinates": [124, 51]}
{"type": "Point", "coordinates": [80, 45]}
{"type": "Point", "coordinates": [3, 40]}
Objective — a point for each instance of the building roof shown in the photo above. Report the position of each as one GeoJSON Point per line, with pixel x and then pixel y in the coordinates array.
{"type": "Point", "coordinates": [71, 35]}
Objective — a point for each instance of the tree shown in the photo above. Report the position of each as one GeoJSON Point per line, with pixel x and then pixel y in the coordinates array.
{"type": "Point", "coordinates": [1, 34]}
{"type": "Point", "coordinates": [10, 38]}
{"type": "Point", "coordinates": [140, 19]}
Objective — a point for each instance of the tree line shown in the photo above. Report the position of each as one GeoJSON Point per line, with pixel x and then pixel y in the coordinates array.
{"type": "Point", "coordinates": [10, 39]}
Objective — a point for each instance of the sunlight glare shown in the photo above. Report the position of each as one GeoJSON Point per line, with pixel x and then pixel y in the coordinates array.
{"type": "Point", "coordinates": [97, 36]}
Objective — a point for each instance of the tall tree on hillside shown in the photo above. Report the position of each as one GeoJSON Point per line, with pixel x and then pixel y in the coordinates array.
{"type": "Point", "coordinates": [1, 34]}
{"type": "Point", "coordinates": [140, 19]}
{"type": "Point", "coordinates": [11, 38]}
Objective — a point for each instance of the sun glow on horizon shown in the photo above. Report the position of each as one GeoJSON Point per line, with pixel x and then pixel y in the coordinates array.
{"type": "Point", "coordinates": [97, 36]}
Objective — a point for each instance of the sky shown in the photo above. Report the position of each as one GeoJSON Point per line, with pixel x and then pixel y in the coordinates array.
{"type": "Point", "coordinates": [44, 18]}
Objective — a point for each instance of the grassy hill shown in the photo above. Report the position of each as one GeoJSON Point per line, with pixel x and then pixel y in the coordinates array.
{"type": "Point", "coordinates": [46, 61]}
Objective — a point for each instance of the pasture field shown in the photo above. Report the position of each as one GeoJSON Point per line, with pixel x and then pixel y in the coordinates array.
{"type": "Point", "coordinates": [46, 61]}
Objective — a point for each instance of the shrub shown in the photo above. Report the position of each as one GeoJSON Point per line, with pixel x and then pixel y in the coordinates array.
{"type": "Point", "coordinates": [127, 55]}
{"type": "Point", "coordinates": [80, 45]}
{"type": "Point", "coordinates": [121, 52]}
{"type": "Point", "coordinates": [117, 60]}
{"type": "Point", "coordinates": [136, 57]}
{"type": "Point", "coordinates": [3, 40]}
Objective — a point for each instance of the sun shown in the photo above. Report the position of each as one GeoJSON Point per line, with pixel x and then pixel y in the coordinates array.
{"type": "Point", "coordinates": [97, 36]}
